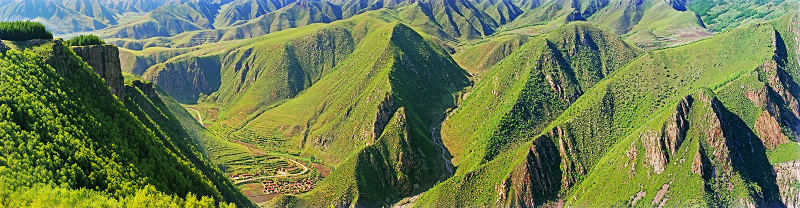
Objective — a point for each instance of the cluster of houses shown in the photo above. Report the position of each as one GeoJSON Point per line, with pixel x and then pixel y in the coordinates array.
{"type": "Point", "coordinates": [295, 187]}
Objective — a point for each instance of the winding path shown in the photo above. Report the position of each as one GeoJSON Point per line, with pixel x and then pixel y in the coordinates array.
{"type": "Point", "coordinates": [199, 118]}
{"type": "Point", "coordinates": [305, 169]}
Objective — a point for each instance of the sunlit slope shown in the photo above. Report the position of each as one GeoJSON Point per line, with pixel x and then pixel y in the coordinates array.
{"type": "Point", "coordinates": [373, 114]}
{"type": "Point", "coordinates": [479, 58]}
{"type": "Point", "coordinates": [530, 88]}
{"type": "Point", "coordinates": [562, 156]}
{"type": "Point", "coordinates": [81, 137]}
{"type": "Point", "coordinates": [726, 139]}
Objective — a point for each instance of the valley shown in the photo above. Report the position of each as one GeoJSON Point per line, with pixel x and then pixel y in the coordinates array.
{"type": "Point", "coordinates": [399, 103]}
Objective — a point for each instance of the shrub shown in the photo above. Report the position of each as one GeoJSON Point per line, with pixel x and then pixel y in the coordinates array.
{"type": "Point", "coordinates": [85, 40]}
{"type": "Point", "coordinates": [23, 30]}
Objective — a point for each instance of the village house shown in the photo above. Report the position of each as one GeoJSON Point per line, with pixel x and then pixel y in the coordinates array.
{"type": "Point", "coordinates": [246, 176]}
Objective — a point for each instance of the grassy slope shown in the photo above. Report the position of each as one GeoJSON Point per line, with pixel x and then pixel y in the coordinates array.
{"type": "Point", "coordinates": [572, 58]}
{"type": "Point", "coordinates": [166, 21]}
{"type": "Point", "coordinates": [591, 126]}
{"type": "Point", "coordinates": [721, 15]}
{"type": "Point", "coordinates": [479, 58]}
{"type": "Point", "coordinates": [275, 66]}
{"type": "Point", "coordinates": [624, 17]}
{"type": "Point", "coordinates": [283, 121]}
{"type": "Point", "coordinates": [748, 176]}
{"type": "Point", "coordinates": [407, 77]}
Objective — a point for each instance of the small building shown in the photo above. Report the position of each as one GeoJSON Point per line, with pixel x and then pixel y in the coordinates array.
{"type": "Point", "coordinates": [246, 176]}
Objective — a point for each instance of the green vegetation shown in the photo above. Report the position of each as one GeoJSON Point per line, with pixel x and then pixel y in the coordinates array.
{"type": "Point", "coordinates": [390, 123]}
{"type": "Point", "coordinates": [84, 40]}
{"type": "Point", "coordinates": [533, 108]}
{"type": "Point", "coordinates": [150, 105]}
{"type": "Point", "coordinates": [45, 196]}
{"type": "Point", "coordinates": [784, 153]}
{"type": "Point", "coordinates": [583, 55]}
{"type": "Point", "coordinates": [581, 156]}
{"type": "Point", "coordinates": [23, 30]}
{"type": "Point", "coordinates": [721, 15]}
{"type": "Point", "coordinates": [62, 131]}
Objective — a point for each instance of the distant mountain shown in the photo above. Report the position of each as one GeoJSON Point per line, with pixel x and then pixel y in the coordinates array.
{"type": "Point", "coordinates": [241, 11]}
{"type": "Point", "coordinates": [168, 21]}
{"type": "Point", "coordinates": [53, 14]}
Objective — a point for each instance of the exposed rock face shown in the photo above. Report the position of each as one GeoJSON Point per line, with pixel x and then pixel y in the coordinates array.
{"type": "Point", "coordinates": [715, 136]}
{"type": "Point", "coordinates": [147, 88]}
{"type": "Point", "coordinates": [788, 176]}
{"type": "Point", "coordinates": [59, 59]}
{"type": "Point", "coordinates": [187, 81]}
{"type": "Point", "coordinates": [104, 59]}
{"type": "Point", "coordinates": [660, 145]}
{"type": "Point", "coordinates": [700, 162]}
{"type": "Point", "coordinates": [534, 182]}
{"type": "Point", "coordinates": [769, 130]}
{"type": "Point", "coordinates": [385, 111]}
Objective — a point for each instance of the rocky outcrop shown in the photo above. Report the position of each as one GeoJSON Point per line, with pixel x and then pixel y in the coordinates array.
{"type": "Point", "coordinates": [718, 144]}
{"type": "Point", "coordinates": [661, 145]}
{"type": "Point", "coordinates": [147, 88]}
{"type": "Point", "coordinates": [394, 164]}
{"type": "Point", "coordinates": [788, 178]}
{"type": "Point", "coordinates": [769, 130]}
{"type": "Point", "coordinates": [385, 111]}
{"type": "Point", "coordinates": [187, 80]}
{"type": "Point", "coordinates": [535, 182]}
{"type": "Point", "coordinates": [104, 60]}
{"type": "Point", "coordinates": [700, 162]}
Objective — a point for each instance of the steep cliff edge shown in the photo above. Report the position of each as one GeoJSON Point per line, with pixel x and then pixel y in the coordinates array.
{"type": "Point", "coordinates": [104, 60]}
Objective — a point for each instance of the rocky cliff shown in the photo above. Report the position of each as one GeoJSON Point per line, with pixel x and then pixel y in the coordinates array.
{"type": "Point", "coordinates": [104, 59]}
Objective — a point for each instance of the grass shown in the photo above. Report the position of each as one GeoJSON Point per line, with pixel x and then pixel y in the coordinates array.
{"type": "Point", "coordinates": [637, 91]}
{"type": "Point", "coordinates": [786, 152]}
{"type": "Point", "coordinates": [279, 95]}
{"type": "Point", "coordinates": [501, 103]}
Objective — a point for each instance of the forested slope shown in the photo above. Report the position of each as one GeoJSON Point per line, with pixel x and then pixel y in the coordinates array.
{"type": "Point", "coordinates": [64, 132]}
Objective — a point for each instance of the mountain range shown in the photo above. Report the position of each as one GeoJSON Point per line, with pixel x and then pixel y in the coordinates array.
{"type": "Point", "coordinates": [425, 103]}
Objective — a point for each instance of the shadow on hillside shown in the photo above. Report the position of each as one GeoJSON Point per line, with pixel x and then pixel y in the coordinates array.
{"type": "Point", "coordinates": [749, 159]}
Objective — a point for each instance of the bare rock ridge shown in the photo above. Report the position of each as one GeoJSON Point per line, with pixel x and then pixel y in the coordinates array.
{"type": "Point", "coordinates": [104, 59]}
{"type": "Point", "coordinates": [385, 111]}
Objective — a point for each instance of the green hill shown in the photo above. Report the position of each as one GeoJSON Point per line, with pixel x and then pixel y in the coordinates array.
{"type": "Point", "coordinates": [167, 21]}
{"type": "Point", "coordinates": [83, 144]}
{"type": "Point", "coordinates": [281, 74]}
{"type": "Point", "coordinates": [548, 73]}
{"type": "Point", "coordinates": [244, 10]}
{"type": "Point", "coordinates": [721, 15]}
{"type": "Point", "coordinates": [630, 140]}
{"type": "Point", "coordinates": [384, 139]}
{"type": "Point", "coordinates": [481, 57]}
{"type": "Point", "coordinates": [57, 17]}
